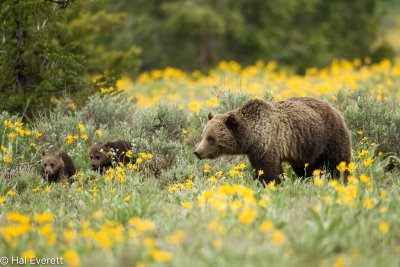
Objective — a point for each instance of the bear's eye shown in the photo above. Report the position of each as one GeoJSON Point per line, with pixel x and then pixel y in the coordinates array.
{"type": "Point", "coordinates": [211, 139]}
{"type": "Point", "coordinates": [52, 165]}
{"type": "Point", "coordinates": [45, 164]}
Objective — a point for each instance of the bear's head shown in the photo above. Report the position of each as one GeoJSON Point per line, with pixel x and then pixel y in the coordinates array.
{"type": "Point", "coordinates": [52, 163]}
{"type": "Point", "coordinates": [218, 137]}
{"type": "Point", "coordinates": [99, 155]}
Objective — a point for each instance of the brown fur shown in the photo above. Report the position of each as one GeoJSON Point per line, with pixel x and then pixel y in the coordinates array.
{"type": "Point", "coordinates": [103, 155]}
{"type": "Point", "coordinates": [299, 130]}
{"type": "Point", "coordinates": [57, 167]}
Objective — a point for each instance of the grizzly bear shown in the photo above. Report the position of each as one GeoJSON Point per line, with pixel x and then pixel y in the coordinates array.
{"type": "Point", "coordinates": [306, 132]}
{"type": "Point", "coordinates": [105, 155]}
{"type": "Point", "coordinates": [57, 167]}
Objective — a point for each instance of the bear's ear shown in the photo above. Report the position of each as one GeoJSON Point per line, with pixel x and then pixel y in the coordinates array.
{"type": "Point", "coordinates": [210, 116]}
{"type": "Point", "coordinates": [231, 122]}
{"type": "Point", "coordinates": [107, 144]}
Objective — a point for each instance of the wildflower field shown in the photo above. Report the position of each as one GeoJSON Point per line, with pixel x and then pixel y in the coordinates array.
{"type": "Point", "coordinates": [168, 208]}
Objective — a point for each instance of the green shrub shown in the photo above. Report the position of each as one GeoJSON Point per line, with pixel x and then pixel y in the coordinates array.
{"type": "Point", "coordinates": [379, 120]}
{"type": "Point", "coordinates": [103, 110]}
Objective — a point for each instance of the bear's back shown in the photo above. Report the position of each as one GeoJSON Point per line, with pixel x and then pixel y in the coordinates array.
{"type": "Point", "coordinates": [311, 125]}
{"type": "Point", "coordinates": [313, 111]}
{"type": "Point", "coordinates": [69, 167]}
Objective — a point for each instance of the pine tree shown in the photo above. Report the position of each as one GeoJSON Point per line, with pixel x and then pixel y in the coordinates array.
{"type": "Point", "coordinates": [36, 68]}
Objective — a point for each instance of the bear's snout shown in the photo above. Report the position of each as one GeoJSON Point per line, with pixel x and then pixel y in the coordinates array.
{"type": "Point", "coordinates": [197, 154]}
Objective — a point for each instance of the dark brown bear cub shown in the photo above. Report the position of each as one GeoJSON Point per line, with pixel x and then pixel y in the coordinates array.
{"type": "Point", "coordinates": [57, 167]}
{"type": "Point", "coordinates": [302, 131]}
{"type": "Point", "coordinates": [103, 155]}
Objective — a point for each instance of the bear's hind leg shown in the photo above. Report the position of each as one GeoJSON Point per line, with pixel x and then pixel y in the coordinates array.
{"type": "Point", "coordinates": [267, 169]}
{"type": "Point", "coordinates": [333, 159]}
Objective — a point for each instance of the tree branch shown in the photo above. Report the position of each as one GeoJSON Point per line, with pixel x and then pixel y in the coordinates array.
{"type": "Point", "coordinates": [60, 3]}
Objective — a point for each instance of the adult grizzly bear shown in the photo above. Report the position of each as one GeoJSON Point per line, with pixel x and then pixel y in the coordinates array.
{"type": "Point", "coordinates": [103, 155]}
{"type": "Point", "coordinates": [57, 167]}
{"type": "Point", "coordinates": [299, 130]}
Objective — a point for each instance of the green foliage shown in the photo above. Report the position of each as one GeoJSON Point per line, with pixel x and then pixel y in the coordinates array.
{"type": "Point", "coordinates": [101, 39]}
{"type": "Point", "coordinates": [198, 34]}
{"type": "Point", "coordinates": [94, 214]}
{"type": "Point", "coordinates": [36, 68]}
{"type": "Point", "coordinates": [229, 101]}
{"type": "Point", "coordinates": [379, 120]}
{"type": "Point", "coordinates": [106, 111]}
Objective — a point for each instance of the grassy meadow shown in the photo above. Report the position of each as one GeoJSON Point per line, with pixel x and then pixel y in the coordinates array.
{"type": "Point", "coordinates": [168, 208]}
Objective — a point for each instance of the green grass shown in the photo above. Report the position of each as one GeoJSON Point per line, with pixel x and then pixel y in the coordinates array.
{"type": "Point", "coordinates": [326, 225]}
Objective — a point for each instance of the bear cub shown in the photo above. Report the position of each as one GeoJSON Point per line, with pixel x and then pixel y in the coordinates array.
{"type": "Point", "coordinates": [103, 155]}
{"type": "Point", "coordinates": [57, 167]}
{"type": "Point", "coordinates": [306, 132]}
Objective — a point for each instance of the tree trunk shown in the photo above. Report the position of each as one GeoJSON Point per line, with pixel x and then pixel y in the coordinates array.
{"type": "Point", "coordinates": [20, 80]}
{"type": "Point", "coordinates": [203, 44]}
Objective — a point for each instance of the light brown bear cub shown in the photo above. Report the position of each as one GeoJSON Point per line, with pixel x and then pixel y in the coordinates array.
{"type": "Point", "coordinates": [103, 155]}
{"type": "Point", "coordinates": [57, 167]}
{"type": "Point", "coordinates": [299, 130]}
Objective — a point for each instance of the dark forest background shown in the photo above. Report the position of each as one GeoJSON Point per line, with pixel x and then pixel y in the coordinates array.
{"type": "Point", "coordinates": [54, 48]}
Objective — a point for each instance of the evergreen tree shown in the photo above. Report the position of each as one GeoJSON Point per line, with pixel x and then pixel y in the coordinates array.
{"type": "Point", "coordinates": [36, 68]}
{"type": "Point", "coordinates": [103, 38]}
{"type": "Point", "coordinates": [298, 33]}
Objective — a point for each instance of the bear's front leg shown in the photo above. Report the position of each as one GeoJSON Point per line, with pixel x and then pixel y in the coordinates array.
{"type": "Point", "coordinates": [267, 169]}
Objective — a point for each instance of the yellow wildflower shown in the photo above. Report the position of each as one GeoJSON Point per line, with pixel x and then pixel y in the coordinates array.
{"type": "Point", "coordinates": [368, 203]}
{"type": "Point", "coordinates": [187, 205]}
{"type": "Point", "coordinates": [38, 134]}
{"type": "Point", "coordinates": [4, 150]}
{"type": "Point", "coordinates": [129, 153]}
{"type": "Point", "coordinates": [365, 179]}
{"type": "Point", "coordinates": [368, 162]}
{"type": "Point", "coordinates": [28, 254]}
{"type": "Point", "coordinates": [45, 217]}
{"type": "Point", "coordinates": [318, 181]}
{"type": "Point", "coordinates": [8, 124]}
{"type": "Point", "coordinates": [160, 256]}
{"type": "Point", "coordinates": [351, 167]}
{"type": "Point", "coordinates": [47, 189]}
{"type": "Point", "coordinates": [176, 237]}
{"type": "Point", "coordinates": [127, 198]}
{"type": "Point", "coordinates": [383, 227]}
{"type": "Point", "coordinates": [316, 172]}
{"type": "Point", "coordinates": [72, 258]}
{"type": "Point", "coordinates": [266, 226]}
{"type": "Point", "coordinates": [81, 127]}
{"type": "Point", "coordinates": [7, 159]}
{"type": "Point", "coordinates": [342, 167]}
{"type": "Point", "coordinates": [340, 262]}
{"type": "Point", "coordinates": [94, 191]}
{"type": "Point", "coordinates": [271, 186]}
{"type": "Point", "coordinates": [247, 216]}
{"type": "Point", "coordinates": [70, 139]}
{"type": "Point", "coordinates": [11, 136]}
{"type": "Point", "coordinates": [217, 243]}
{"type": "Point", "coordinates": [278, 237]}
